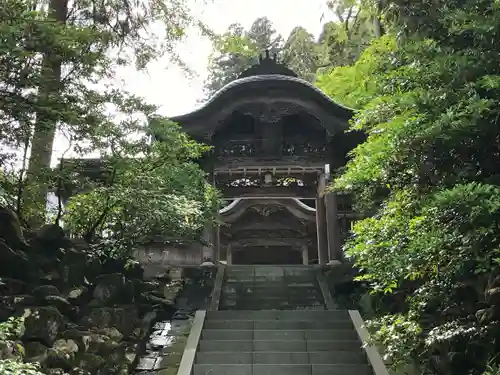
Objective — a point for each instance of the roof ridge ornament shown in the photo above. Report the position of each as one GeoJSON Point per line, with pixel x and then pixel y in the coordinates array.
{"type": "Point", "coordinates": [268, 65]}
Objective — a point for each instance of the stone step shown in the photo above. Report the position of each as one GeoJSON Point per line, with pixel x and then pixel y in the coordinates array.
{"type": "Point", "coordinates": [280, 334]}
{"type": "Point", "coordinates": [271, 272]}
{"type": "Point", "coordinates": [261, 303]}
{"type": "Point", "coordinates": [271, 277]}
{"type": "Point", "coordinates": [278, 324]}
{"type": "Point", "coordinates": [235, 306]}
{"type": "Point", "coordinates": [282, 305]}
{"type": "Point", "coordinates": [266, 369]}
{"type": "Point", "coordinates": [271, 289]}
{"type": "Point", "coordinates": [261, 270]}
{"type": "Point", "coordinates": [263, 281]}
{"type": "Point", "coordinates": [273, 304]}
{"type": "Point", "coordinates": [243, 358]}
{"type": "Point", "coordinates": [278, 346]}
{"type": "Point", "coordinates": [256, 298]}
{"type": "Point", "coordinates": [280, 308]}
{"type": "Point", "coordinates": [272, 280]}
{"type": "Point", "coordinates": [323, 315]}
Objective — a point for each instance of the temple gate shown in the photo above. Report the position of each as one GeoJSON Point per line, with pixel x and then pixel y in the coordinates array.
{"type": "Point", "coordinates": [277, 142]}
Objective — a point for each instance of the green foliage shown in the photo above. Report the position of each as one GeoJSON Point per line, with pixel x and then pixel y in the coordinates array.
{"type": "Point", "coordinates": [357, 85]}
{"type": "Point", "coordinates": [398, 334]}
{"type": "Point", "coordinates": [52, 55]}
{"type": "Point", "coordinates": [340, 43]}
{"type": "Point", "coordinates": [151, 188]}
{"type": "Point", "coordinates": [145, 186]}
{"type": "Point", "coordinates": [301, 53]}
{"type": "Point", "coordinates": [343, 40]}
{"type": "Point", "coordinates": [237, 49]}
{"type": "Point", "coordinates": [11, 350]}
{"type": "Point", "coordinates": [428, 178]}
{"type": "Point", "coordinates": [12, 367]}
{"type": "Point", "coordinates": [492, 371]}
{"type": "Point", "coordinates": [12, 328]}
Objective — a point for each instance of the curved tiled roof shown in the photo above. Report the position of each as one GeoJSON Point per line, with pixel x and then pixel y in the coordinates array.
{"type": "Point", "coordinates": [259, 82]}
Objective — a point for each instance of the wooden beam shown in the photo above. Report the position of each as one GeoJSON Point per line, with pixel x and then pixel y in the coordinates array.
{"type": "Point", "coordinates": [295, 243]}
{"type": "Point", "coordinates": [296, 163]}
{"type": "Point", "coordinates": [274, 192]}
{"type": "Point", "coordinates": [245, 225]}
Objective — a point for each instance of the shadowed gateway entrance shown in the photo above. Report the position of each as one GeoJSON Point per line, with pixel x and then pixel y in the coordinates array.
{"type": "Point", "coordinates": [265, 255]}
{"type": "Point", "coordinates": [267, 231]}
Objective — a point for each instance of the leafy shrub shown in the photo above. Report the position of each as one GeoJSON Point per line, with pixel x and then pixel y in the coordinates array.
{"type": "Point", "coordinates": [11, 367]}
{"type": "Point", "coordinates": [151, 188]}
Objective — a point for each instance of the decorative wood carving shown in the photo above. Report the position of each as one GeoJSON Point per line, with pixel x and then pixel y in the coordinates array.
{"type": "Point", "coordinates": [268, 65]}
{"type": "Point", "coordinates": [278, 192]}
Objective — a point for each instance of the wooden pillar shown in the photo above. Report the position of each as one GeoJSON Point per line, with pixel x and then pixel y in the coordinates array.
{"type": "Point", "coordinates": [305, 255]}
{"type": "Point", "coordinates": [216, 243]}
{"type": "Point", "coordinates": [333, 230]}
{"type": "Point", "coordinates": [216, 227]}
{"type": "Point", "coordinates": [229, 256]}
{"type": "Point", "coordinates": [321, 222]}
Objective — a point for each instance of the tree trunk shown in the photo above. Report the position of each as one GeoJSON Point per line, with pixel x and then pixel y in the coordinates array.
{"type": "Point", "coordinates": [378, 29]}
{"type": "Point", "coordinates": [37, 188]}
{"type": "Point", "coordinates": [377, 23]}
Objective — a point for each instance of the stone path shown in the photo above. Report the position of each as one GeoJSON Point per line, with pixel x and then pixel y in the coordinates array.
{"type": "Point", "coordinates": [167, 339]}
{"type": "Point", "coordinates": [164, 348]}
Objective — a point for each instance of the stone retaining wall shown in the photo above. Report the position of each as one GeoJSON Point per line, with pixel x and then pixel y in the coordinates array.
{"type": "Point", "coordinates": [157, 258]}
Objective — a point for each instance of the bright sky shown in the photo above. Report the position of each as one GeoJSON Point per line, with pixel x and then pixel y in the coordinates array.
{"type": "Point", "coordinates": [169, 88]}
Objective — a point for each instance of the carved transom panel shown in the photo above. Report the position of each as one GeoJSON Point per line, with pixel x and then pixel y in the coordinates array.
{"type": "Point", "coordinates": [270, 214]}
{"type": "Point", "coordinates": [267, 210]}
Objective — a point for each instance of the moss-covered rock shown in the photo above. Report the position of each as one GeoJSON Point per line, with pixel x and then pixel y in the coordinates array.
{"type": "Point", "coordinates": [43, 324]}
{"type": "Point", "coordinates": [123, 318]}
{"type": "Point", "coordinates": [92, 363]}
{"type": "Point", "coordinates": [63, 354]}
{"type": "Point", "coordinates": [36, 352]}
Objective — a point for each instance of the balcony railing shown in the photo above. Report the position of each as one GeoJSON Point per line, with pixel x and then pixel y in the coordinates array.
{"type": "Point", "coordinates": [288, 146]}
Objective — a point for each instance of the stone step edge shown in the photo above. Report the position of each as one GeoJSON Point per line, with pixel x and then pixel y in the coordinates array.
{"type": "Point", "coordinates": [212, 319]}
{"type": "Point", "coordinates": [277, 330]}
{"type": "Point", "coordinates": [257, 296]}
{"type": "Point", "coordinates": [345, 341]}
{"type": "Point", "coordinates": [343, 365]}
{"type": "Point", "coordinates": [346, 312]}
{"type": "Point", "coordinates": [281, 320]}
{"type": "Point", "coordinates": [339, 352]}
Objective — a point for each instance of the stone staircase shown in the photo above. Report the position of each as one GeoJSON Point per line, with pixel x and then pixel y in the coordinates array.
{"type": "Point", "coordinates": [271, 288]}
{"type": "Point", "coordinates": [282, 342]}
{"type": "Point", "coordinates": [274, 321]}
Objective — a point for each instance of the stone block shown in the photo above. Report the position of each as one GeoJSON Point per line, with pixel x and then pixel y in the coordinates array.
{"type": "Point", "coordinates": [341, 369]}
{"type": "Point", "coordinates": [224, 358]}
{"type": "Point", "coordinates": [229, 324]}
{"type": "Point", "coordinates": [280, 358]}
{"type": "Point", "coordinates": [226, 334]}
{"type": "Point", "coordinates": [332, 345]}
{"type": "Point", "coordinates": [212, 369]}
{"type": "Point", "coordinates": [281, 369]}
{"type": "Point", "coordinates": [331, 335]}
{"type": "Point", "coordinates": [337, 357]}
{"type": "Point", "coordinates": [279, 346]}
{"type": "Point", "coordinates": [282, 335]}
{"type": "Point", "coordinates": [225, 346]}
